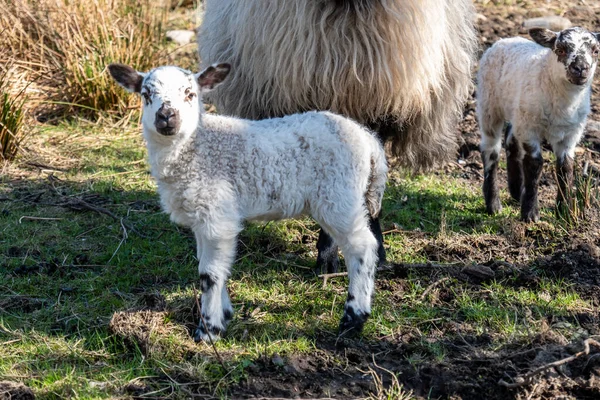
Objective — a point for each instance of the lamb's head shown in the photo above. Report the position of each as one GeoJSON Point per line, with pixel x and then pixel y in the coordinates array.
{"type": "Point", "coordinates": [172, 96]}
{"type": "Point", "coordinates": [576, 49]}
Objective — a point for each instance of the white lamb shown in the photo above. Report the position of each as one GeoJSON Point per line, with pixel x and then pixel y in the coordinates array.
{"type": "Point", "coordinates": [535, 92]}
{"type": "Point", "coordinates": [214, 172]}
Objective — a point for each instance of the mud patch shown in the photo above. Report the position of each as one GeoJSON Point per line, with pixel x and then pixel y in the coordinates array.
{"type": "Point", "coordinates": [15, 391]}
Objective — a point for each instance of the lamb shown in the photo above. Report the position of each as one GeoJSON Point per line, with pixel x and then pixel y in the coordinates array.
{"type": "Point", "coordinates": [534, 92]}
{"type": "Point", "coordinates": [215, 172]}
{"type": "Point", "coordinates": [402, 67]}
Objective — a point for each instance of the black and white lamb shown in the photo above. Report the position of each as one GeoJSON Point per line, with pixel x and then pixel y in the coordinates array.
{"type": "Point", "coordinates": [215, 172]}
{"type": "Point", "coordinates": [534, 92]}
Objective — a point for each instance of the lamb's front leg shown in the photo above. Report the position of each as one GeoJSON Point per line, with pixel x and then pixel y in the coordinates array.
{"type": "Point", "coordinates": [216, 258]}
{"type": "Point", "coordinates": [565, 153]}
{"type": "Point", "coordinates": [532, 171]}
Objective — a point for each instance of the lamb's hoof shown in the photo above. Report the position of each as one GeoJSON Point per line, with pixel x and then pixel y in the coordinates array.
{"type": "Point", "coordinates": [530, 216]}
{"type": "Point", "coordinates": [352, 323]}
{"type": "Point", "coordinates": [214, 334]}
{"type": "Point", "coordinates": [494, 207]}
{"type": "Point", "coordinates": [328, 265]}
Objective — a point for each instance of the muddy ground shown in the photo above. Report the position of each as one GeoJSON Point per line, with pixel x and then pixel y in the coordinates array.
{"type": "Point", "coordinates": [470, 370]}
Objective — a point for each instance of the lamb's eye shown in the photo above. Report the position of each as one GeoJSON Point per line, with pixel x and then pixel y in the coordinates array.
{"type": "Point", "coordinates": [189, 96]}
{"type": "Point", "coordinates": [560, 52]}
{"type": "Point", "coordinates": [146, 97]}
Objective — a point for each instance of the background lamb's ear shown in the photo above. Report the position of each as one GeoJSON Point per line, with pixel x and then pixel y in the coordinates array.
{"type": "Point", "coordinates": [127, 77]}
{"type": "Point", "coordinates": [213, 76]}
{"type": "Point", "coordinates": [544, 37]}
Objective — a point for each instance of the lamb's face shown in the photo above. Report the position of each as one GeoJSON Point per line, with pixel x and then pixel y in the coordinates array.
{"type": "Point", "coordinates": [576, 49]}
{"type": "Point", "coordinates": [172, 96]}
{"type": "Point", "coordinates": [171, 104]}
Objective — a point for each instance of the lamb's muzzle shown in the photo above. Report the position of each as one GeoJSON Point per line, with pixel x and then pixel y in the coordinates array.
{"type": "Point", "coordinates": [167, 120]}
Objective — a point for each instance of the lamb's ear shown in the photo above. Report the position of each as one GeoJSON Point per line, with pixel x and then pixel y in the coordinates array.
{"type": "Point", "coordinates": [544, 37]}
{"type": "Point", "coordinates": [212, 76]}
{"type": "Point", "coordinates": [127, 77]}
{"type": "Point", "coordinates": [597, 34]}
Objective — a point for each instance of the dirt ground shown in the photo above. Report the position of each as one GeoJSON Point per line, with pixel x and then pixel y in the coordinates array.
{"type": "Point", "coordinates": [470, 370]}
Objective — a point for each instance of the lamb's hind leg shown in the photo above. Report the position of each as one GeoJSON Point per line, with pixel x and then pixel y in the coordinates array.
{"type": "Point", "coordinates": [359, 247]}
{"type": "Point", "coordinates": [514, 164]}
{"type": "Point", "coordinates": [216, 258]}
{"type": "Point", "coordinates": [327, 256]}
{"type": "Point", "coordinates": [491, 144]}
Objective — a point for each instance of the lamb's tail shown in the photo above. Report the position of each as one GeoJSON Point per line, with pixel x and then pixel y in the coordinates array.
{"type": "Point", "coordinates": [377, 180]}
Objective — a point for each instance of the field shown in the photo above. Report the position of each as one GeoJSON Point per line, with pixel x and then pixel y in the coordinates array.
{"type": "Point", "coordinates": [98, 289]}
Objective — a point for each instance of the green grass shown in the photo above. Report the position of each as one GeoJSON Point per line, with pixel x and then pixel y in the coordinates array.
{"type": "Point", "coordinates": [66, 276]}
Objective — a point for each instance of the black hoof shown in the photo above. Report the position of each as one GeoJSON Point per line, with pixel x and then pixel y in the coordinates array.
{"type": "Point", "coordinates": [530, 216]}
{"type": "Point", "coordinates": [213, 334]}
{"type": "Point", "coordinates": [494, 207]}
{"type": "Point", "coordinates": [352, 323]}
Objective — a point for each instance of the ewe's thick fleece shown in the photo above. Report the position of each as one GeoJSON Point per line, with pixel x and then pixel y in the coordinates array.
{"type": "Point", "coordinates": [404, 63]}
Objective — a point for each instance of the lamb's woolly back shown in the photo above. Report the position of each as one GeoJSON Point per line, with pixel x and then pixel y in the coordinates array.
{"type": "Point", "coordinates": [398, 60]}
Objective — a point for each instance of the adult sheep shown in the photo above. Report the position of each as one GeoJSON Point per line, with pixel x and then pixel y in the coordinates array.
{"type": "Point", "coordinates": [402, 67]}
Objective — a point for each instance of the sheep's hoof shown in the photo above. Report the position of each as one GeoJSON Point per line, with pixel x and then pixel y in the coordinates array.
{"type": "Point", "coordinates": [214, 334]}
{"type": "Point", "coordinates": [494, 207]}
{"type": "Point", "coordinates": [352, 323]}
{"type": "Point", "coordinates": [530, 216]}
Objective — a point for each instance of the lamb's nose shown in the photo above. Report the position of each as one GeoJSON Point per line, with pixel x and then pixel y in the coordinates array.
{"type": "Point", "coordinates": [165, 113]}
{"type": "Point", "coordinates": [579, 70]}
{"type": "Point", "coordinates": [165, 117]}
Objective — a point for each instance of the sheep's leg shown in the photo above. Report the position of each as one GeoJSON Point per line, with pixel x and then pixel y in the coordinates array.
{"type": "Point", "coordinates": [375, 228]}
{"type": "Point", "coordinates": [532, 171]}
{"type": "Point", "coordinates": [565, 153]}
{"type": "Point", "coordinates": [359, 247]}
{"type": "Point", "coordinates": [491, 143]}
{"type": "Point", "coordinates": [215, 263]}
{"type": "Point", "coordinates": [327, 256]}
{"type": "Point", "coordinates": [564, 175]}
{"type": "Point", "coordinates": [514, 165]}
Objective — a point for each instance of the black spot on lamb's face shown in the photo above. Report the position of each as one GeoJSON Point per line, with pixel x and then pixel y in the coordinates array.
{"type": "Point", "coordinates": [577, 49]}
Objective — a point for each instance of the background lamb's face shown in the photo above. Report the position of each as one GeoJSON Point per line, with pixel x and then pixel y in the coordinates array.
{"type": "Point", "coordinates": [575, 48]}
{"type": "Point", "coordinates": [170, 97]}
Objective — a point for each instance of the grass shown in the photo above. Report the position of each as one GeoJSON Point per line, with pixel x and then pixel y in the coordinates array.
{"type": "Point", "coordinates": [67, 276]}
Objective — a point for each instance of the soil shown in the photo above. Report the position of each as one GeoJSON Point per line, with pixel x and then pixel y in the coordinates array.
{"type": "Point", "coordinates": [15, 391]}
{"type": "Point", "coordinates": [469, 370]}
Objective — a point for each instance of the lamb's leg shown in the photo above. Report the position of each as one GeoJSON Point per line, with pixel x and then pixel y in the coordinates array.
{"type": "Point", "coordinates": [532, 171]}
{"type": "Point", "coordinates": [375, 228]}
{"type": "Point", "coordinates": [514, 165]}
{"type": "Point", "coordinates": [327, 256]}
{"type": "Point", "coordinates": [216, 259]}
{"type": "Point", "coordinates": [564, 175]}
{"type": "Point", "coordinates": [359, 247]}
{"type": "Point", "coordinates": [491, 143]}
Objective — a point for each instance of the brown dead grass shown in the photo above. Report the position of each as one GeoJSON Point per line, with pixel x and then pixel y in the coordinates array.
{"type": "Point", "coordinates": [65, 46]}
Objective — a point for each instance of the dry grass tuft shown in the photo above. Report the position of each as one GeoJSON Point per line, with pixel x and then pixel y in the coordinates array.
{"type": "Point", "coordinates": [65, 46]}
{"type": "Point", "coordinates": [153, 333]}
{"type": "Point", "coordinates": [12, 103]}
